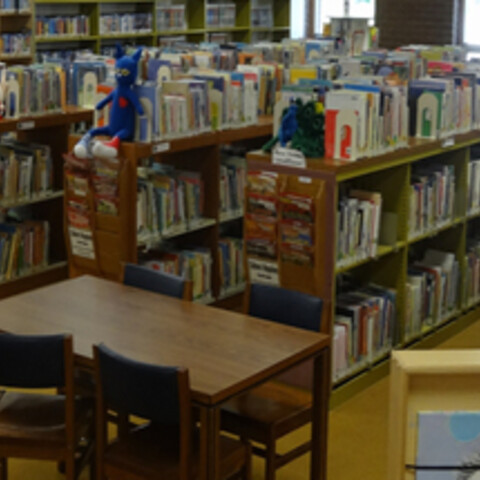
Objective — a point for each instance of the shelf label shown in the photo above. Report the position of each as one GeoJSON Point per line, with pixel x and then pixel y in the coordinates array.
{"type": "Point", "coordinates": [26, 125]}
{"type": "Point", "coordinates": [449, 142]}
{"type": "Point", "coordinates": [288, 157]}
{"type": "Point", "coordinates": [160, 147]}
{"type": "Point", "coordinates": [262, 271]}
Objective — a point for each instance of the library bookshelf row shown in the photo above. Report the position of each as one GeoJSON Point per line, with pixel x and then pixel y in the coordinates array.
{"type": "Point", "coordinates": [49, 130]}
{"type": "Point", "coordinates": [407, 240]}
{"type": "Point", "coordinates": [196, 24]}
{"type": "Point", "coordinates": [116, 238]}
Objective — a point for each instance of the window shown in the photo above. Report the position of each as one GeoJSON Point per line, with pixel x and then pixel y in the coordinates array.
{"type": "Point", "coordinates": [471, 32]}
{"type": "Point", "coordinates": [327, 9]}
{"type": "Point", "coordinates": [297, 19]}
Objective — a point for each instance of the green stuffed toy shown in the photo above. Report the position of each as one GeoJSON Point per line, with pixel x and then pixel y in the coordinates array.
{"type": "Point", "coordinates": [309, 134]}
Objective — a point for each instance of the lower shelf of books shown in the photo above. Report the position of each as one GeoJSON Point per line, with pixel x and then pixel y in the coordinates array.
{"type": "Point", "coordinates": [35, 271]}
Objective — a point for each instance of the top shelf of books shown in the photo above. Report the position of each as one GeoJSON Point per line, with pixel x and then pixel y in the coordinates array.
{"type": "Point", "coordinates": [417, 150]}
{"type": "Point", "coordinates": [72, 114]}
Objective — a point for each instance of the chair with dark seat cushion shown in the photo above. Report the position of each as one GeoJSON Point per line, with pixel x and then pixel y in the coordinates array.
{"type": "Point", "coordinates": [57, 427]}
{"type": "Point", "coordinates": [274, 409]}
{"type": "Point", "coordinates": [154, 281]}
{"type": "Point", "coordinates": [166, 445]}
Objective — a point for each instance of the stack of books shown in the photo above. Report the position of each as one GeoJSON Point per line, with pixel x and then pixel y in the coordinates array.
{"type": "Point", "coordinates": [432, 198]}
{"type": "Point", "coordinates": [220, 15]}
{"type": "Point", "coordinates": [26, 172]}
{"type": "Point", "coordinates": [358, 226]}
{"type": "Point", "coordinates": [232, 187]}
{"type": "Point", "coordinates": [432, 291]}
{"type": "Point", "coordinates": [193, 265]}
{"type": "Point", "coordinates": [24, 248]}
{"type": "Point", "coordinates": [231, 261]}
{"type": "Point", "coordinates": [62, 25]}
{"type": "Point", "coordinates": [171, 17]}
{"type": "Point", "coordinates": [125, 23]}
{"type": "Point", "coordinates": [15, 44]}
{"type": "Point", "coordinates": [169, 202]}
{"type": "Point", "coordinates": [364, 329]}
{"type": "Point", "coordinates": [472, 273]}
{"type": "Point", "coordinates": [473, 201]}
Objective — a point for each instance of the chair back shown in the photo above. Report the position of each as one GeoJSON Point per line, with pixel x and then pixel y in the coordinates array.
{"type": "Point", "coordinates": [153, 281]}
{"type": "Point", "coordinates": [34, 361]}
{"type": "Point", "coordinates": [285, 306]}
{"type": "Point", "coordinates": [152, 392]}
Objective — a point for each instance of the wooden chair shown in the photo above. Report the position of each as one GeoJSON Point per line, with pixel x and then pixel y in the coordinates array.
{"type": "Point", "coordinates": [272, 410]}
{"type": "Point", "coordinates": [166, 447]}
{"type": "Point", "coordinates": [158, 282]}
{"type": "Point", "coordinates": [56, 427]}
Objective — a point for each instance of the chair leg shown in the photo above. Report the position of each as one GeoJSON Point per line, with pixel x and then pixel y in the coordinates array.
{"type": "Point", "coordinates": [3, 469]}
{"type": "Point", "coordinates": [70, 468]}
{"type": "Point", "coordinates": [247, 468]}
{"type": "Point", "coordinates": [270, 457]}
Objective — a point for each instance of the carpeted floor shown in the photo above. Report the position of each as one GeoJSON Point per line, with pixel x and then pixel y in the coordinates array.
{"type": "Point", "coordinates": [357, 440]}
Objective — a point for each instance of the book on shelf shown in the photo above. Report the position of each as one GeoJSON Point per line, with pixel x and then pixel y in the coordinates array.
{"type": "Point", "coordinates": [231, 261]}
{"type": "Point", "coordinates": [432, 198]}
{"type": "Point", "coordinates": [16, 44]}
{"type": "Point", "coordinates": [232, 185]}
{"type": "Point", "coordinates": [194, 265]}
{"type": "Point", "coordinates": [24, 248]}
{"type": "Point", "coordinates": [220, 15]}
{"type": "Point", "coordinates": [169, 201]}
{"type": "Point", "coordinates": [364, 328]}
{"type": "Point", "coordinates": [358, 226]}
{"type": "Point", "coordinates": [432, 291]}
{"type": "Point", "coordinates": [26, 171]}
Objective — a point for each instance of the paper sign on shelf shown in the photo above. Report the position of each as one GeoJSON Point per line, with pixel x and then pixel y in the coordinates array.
{"type": "Point", "coordinates": [263, 271]}
{"type": "Point", "coordinates": [160, 147]}
{"type": "Point", "coordinates": [449, 142]}
{"type": "Point", "coordinates": [288, 157]}
{"type": "Point", "coordinates": [81, 242]}
{"type": "Point", "coordinates": [27, 125]}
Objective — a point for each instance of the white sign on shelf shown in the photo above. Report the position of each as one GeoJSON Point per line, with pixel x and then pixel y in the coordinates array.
{"type": "Point", "coordinates": [81, 242]}
{"type": "Point", "coordinates": [263, 271]}
{"type": "Point", "coordinates": [160, 147]}
{"type": "Point", "coordinates": [449, 142]}
{"type": "Point", "coordinates": [288, 157]}
{"type": "Point", "coordinates": [26, 125]}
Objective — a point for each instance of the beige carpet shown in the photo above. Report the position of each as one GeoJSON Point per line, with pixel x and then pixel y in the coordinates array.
{"type": "Point", "coordinates": [357, 440]}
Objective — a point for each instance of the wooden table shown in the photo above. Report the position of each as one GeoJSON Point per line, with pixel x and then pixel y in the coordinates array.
{"type": "Point", "coordinates": [226, 353]}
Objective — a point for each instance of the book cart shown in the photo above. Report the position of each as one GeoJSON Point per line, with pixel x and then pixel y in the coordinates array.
{"type": "Point", "coordinates": [390, 175]}
{"type": "Point", "coordinates": [52, 130]}
{"type": "Point", "coordinates": [434, 382]}
{"type": "Point", "coordinates": [196, 22]}
{"type": "Point", "coordinates": [115, 238]}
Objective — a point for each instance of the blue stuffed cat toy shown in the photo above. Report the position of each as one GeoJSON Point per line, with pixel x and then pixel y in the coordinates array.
{"type": "Point", "coordinates": [122, 114]}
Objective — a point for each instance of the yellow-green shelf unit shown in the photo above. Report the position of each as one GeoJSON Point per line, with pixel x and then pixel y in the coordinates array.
{"type": "Point", "coordinates": [390, 174]}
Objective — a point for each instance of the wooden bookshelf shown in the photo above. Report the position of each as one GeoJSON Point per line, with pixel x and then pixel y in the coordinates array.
{"type": "Point", "coordinates": [53, 130]}
{"type": "Point", "coordinates": [389, 174]}
{"type": "Point", "coordinates": [200, 153]}
{"type": "Point", "coordinates": [196, 28]}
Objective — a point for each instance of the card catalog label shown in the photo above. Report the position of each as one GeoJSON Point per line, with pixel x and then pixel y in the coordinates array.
{"type": "Point", "coordinates": [262, 271]}
{"type": "Point", "coordinates": [288, 157]}
{"type": "Point", "coordinates": [26, 125]}
{"type": "Point", "coordinates": [81, 242]}
{"type": "Point", "coordinates": [161, 147]}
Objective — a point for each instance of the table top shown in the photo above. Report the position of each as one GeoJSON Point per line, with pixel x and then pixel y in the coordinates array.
{"type": "Point", "coordinates": [225, 352]}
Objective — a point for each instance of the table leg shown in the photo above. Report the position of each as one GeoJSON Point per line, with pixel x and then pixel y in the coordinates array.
{"type": "Point", "coordinates": [321, 397]}
{"type": "Point", "coordinates": [210, 443]}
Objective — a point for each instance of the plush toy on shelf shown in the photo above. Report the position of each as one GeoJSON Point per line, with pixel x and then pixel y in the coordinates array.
{"type": "Point", "coordinates": [122, 115]}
